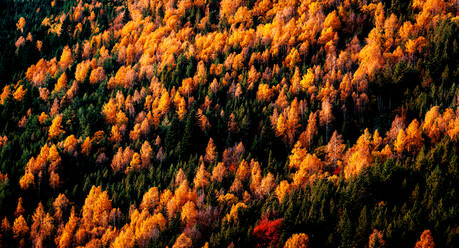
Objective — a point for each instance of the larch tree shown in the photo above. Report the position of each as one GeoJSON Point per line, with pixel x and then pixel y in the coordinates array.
{"type": "Point", "coordinates": [311, 129]}
{"type": "Point", "coordinates": [297, 240]}
{"type": "Point", "coordinates": [146, 154]}
{"type": "Point", "coordinates": [282, 190]}
{"type": "Point", "coordinates": [335, 149]}
{"type": "Point", "coordinates": [150, 199]}
{"type": "Point", "coordinates": [183, 241]}
{"type": "Point", "coordinates": [19, 208]}
{"type": "Point", "coordinates": [201, 179]}
{"type": "Point", "coordinates": [20, 228]}
{"type": "Point", "coordinates": [189, 213]}
{"type": "Point", "coordinates": [211, 153]}
{"type": "Point", "coordinates": [42, 226]}
{"type": "Point", "coordinates": [376, 239]}
{"type": "Point", "coordinates": [426, 240]}
{"type": "Point", "coordinates": [326, 116]}
{"type": "Point", "coordinates": [56, 127]}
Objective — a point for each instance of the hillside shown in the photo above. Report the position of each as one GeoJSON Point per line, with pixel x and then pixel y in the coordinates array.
{"type": "Point", "coordinates": [232, 123]}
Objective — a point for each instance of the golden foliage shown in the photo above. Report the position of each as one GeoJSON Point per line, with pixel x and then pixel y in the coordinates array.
{"type": "Point", "coordinates": [20, 228]}
{"type": "Point", "coordinates": [297, 240]}
{"type": "Point", "coordinates": [183, 241]}
{"type": "Point", "coordinates": [201, 179]}
{"type": "Point", "coordinates": [19, 93]}
{"type": "Point", "coordinates": [20, 24]}
{"type": "Point", "coordinates": [233, 214]}
{"type": "Point", "coordinates": [56, 127]}
{"type": "Point", "coordinates": [5, 94]}
{"type": "Point", "coordinates": [426, 240]}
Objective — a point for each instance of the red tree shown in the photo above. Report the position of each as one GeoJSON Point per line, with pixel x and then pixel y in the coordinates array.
{"type": "Point", "coordinates": [267, 232]}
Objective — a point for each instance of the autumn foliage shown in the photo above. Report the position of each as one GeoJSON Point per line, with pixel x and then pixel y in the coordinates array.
{"type": "Point", "coordinates": [229, 123]}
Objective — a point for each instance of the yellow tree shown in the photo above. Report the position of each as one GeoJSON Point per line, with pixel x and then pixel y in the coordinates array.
{"type": "Point", "coordinates": [70, 144]}
{"type": "Point", "coordinates": [20, 24]}
{"type": "Point", "coordinates": [150, 199]}
{"type": "Point", "coordinates": [18, 95]}
{"type": "Point", "coordinates": [414, 138]}
{"type": "Point", "coordinates": [201, 179]}
{"type": "Point", "coordinates": [145, 154]}
{"type": "Point", "coordinates": [210, 152]}
{"type": "Point", "coordinates": [359, 156]}
{"type": "Point", "coordinates": [20, 228]}
{"type": "Point", "coordinates": [189, 213]}
{"type": "Point", "coordinates": [19, 208]}
{"type": "Point", "coordinates": [376, 239]}
{"type": "Point", "coordinates": [42, 226]}
{"type": "Point", "coordinates": [183, 241]}
{"type": "Point", "coordinates": [400, 142]}
{"type": "Point", "coordinates": [64, 240]}
{"type": "Point", "coordinates": [282, 190]}
{"type": "Point", "coordinates": [218, 172]}
{"type": "Point", "coordinates": [335, 149]}
{"type": "Point", "coordinates": [61, 82]}
{"type": "Point", "coordinates": [297, 240]}
{"type": "Point", "coordinates": [326, 115]}
{"type": "Point", "coordinates": [56, 127]}
{"type": "Point", "coordinates": [426, 240]}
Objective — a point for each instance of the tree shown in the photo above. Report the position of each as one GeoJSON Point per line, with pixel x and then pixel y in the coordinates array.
{"type": "Point", "coordinates": [400, 142]}
{"type": "Point", "coordinates": [86, 146]}
{"type": "Point", "coordinates": [292, 58]}
{"type": "Point", "coordinates": [97, 75]}
{"type": "Point", "coordinates": [5, 94]}
{"type": "Point", "coordinates": [27, 180]}
{"type": "Point", "coordinates": [326, 115]}
{"type": "Point", "coordinates": [233, 214]}
{"type": "Point", "coordinates": [282, 190]}
{"type": "Point", "coordinates": [218, 172]}
{"type": "Point", "coordinates": [426, 240]}
{"type": "Point", "coordinates": [95, 211]}
{"type": "Point", "coordinates": [60, 204]}
{"type": "Point", "coordinates": [66, 58]}
{"type": "Point", "coordinates": [61, 82]}
{"type": "Point", "coordinates": [201, 179]}
{"type": "Point", "coordinates": [311, 130]}
{"type": "Point", "coordinates": [297, 240]}
{"type": "Point", "coordinates": [70, 144]}
{"type": "Point", "coordinates": [264, 93]}
{"type": "Point", "coordinates": [145, 154]}
{"type": "Point", "coordinates": [189, 213]}
{"type": "Point", "coordinates": [376, 239]}
{"type": "Point", "coordinates": [335, 149]}
{"type": "Point", "coordinates": [431, 121]}
{"type": "Point", "coordinates": [20, 24]}
{"type": "Point", "coordinates": [267, 233]}
{"type": "Point", "coordinates": [210, 152]}
{"type": "Point", "coordinates": [183, 241]}
{"type": "Point", "coordinates": [19, 93]}
{"type": "Point", "coordinates": [20, 228]}
{"type": "Point", "coordinates": [42, 226]}
{"type": "Point", "coordinates": [359, 156]}
{"type": "Point", "coordinates": [414, 140]}
{"type": "Point", "coordinates": [64, 240]}
{"type": "Point", "coordinates": [19, 208]}
{"type": "Point", "coordinates": [135, 163]}
{"type": "Point", "coordinates": [110, 110]}
{"type": "Point", "coordinates": [267, 184]}
{"type": "Point", "coordinates": [56, 127]}
{"type": "Point", "coordinates": [125, 238]}
{"type": "Point", "coordinates": [150, 199]}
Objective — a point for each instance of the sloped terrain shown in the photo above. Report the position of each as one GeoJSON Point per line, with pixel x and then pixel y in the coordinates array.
{"type": "Point", "coordinates": [148, 123]}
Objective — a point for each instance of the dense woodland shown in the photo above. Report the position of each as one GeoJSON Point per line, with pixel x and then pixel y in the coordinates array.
{"type": "Point", "coordinates": [232, 123]}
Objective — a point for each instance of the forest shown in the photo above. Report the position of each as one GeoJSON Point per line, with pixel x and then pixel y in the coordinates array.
{"type": "Point", "coordinates": [229, 123]}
